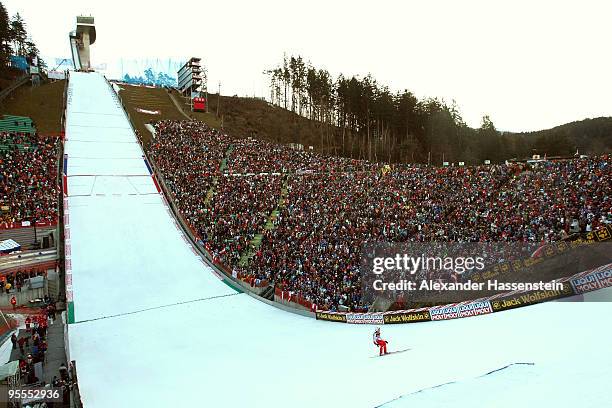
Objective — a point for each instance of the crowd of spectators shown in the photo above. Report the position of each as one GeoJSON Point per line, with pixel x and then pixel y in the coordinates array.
{"type": "Point", "coordinates": [314, 251]}
{"type": "Point", "coordinates": [189, 154]}
{"type": "Point", "coordinates": [239, 208]}
{"type": "Point", "coordinates": [551, 199]}
{"type": "Point", "coordinates": [14, 281]}
{"type": "Point", "coordinates": [28, 178]}
{"type": "Point", "coordinates": [252, 156]}
{"type": "Point", "coordinates": [32, 344]}
{"type": "Point", "coordinates": [335, 205]}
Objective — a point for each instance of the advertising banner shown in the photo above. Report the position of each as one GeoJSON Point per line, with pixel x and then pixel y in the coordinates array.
{"type": "Point", "coordinates": [407, 317]}
{"type": "Point", "coordinates": [331, 317]}
{"type": "Point", "coordinates": [19, 62]}
{"type": "Point", "coordinates": [460, 310]}
{"type": "Point", "coordinates": [56, 75]}
{"type": "Point", "coordinates": [598, 279]}
{"type": "Point", "coordinates": [364, 318]}
{"type": "Point", "coordinates": [530, 298]}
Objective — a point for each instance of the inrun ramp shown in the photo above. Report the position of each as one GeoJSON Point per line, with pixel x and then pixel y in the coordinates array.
{"type": "Point", "coordinates": [154, 327]}
{"type": "Point", "coordinates": [115, 215]}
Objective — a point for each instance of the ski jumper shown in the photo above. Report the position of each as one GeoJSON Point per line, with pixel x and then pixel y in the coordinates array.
{"type": "Point", "coordinates": [382, 344]}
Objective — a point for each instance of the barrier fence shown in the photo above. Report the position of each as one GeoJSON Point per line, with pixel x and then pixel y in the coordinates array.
{"type": "Point", "coordinates": [27, 224]}
{"type": "Point", "coordinates": [578, 284]}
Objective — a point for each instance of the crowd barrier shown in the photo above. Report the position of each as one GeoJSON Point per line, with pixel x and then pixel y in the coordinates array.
{"type": "Point", "coordinates": [27, 224]}
{"type": "Point", "coordinates": [67, 257]}
{"type": "Point", "coordinates": [43, 266]}
{"type": "Point", "coordinates": [578, 284]}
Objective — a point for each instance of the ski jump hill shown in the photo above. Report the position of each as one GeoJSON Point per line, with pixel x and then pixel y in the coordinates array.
{"type": "Point", "coordinates": [151, 325]}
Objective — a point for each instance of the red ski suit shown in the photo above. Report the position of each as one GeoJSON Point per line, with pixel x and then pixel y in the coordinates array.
{"type": "Point", "coordinates": [382, 344]}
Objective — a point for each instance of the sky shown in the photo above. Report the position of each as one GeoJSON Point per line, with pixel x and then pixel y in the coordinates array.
{"type": "Point", "coordinates": [528, 65]}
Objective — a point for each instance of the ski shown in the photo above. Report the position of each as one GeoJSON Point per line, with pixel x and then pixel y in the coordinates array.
{"type": "Point", "coordinates": [392, 352]}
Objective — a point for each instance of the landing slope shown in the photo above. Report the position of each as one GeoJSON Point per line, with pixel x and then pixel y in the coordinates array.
{"type": "Point", "coordinates": [237, 352]}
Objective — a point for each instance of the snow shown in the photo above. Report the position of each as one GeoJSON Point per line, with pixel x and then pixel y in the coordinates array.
{"type": "Point", "coordinates": [155, 327]}
{"type": "Point", "coordinates": [116, 87]}
{"type": "Point", "coordinates": [149, 112]}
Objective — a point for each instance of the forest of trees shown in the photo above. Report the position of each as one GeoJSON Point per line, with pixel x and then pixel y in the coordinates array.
{"type": "Point", "coordinates": [14, 39]}
{"type": "Point", "coordinates": [361, 118]}
{"type": "Point", "coordinates": [150, 78]}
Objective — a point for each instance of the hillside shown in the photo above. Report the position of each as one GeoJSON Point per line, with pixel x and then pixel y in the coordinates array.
{"type": "Point", "coordinates": [590, 136]}
{"type": "Point", "coordinates": [43, 104]}
{"type": "Point", "coordinates": [157, 100]}
{"type": "Point", "coordinates": [250, 117]}
{"type": "Point", "coordinates": [253, 117]}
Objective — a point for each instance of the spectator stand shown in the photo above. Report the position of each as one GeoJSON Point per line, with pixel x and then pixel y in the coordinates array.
{"type": "Point", "coordinates": [270, 225]}
{"type": "Point", "coordinates": [29, 186]}
{"type": "Point", "coordinates": [17, 124]}
{"type": "Point", "coordinates": [334, 205]}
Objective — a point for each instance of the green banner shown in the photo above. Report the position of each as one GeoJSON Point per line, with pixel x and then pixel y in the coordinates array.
{"type": "Point", "coordinates": [70, 312]}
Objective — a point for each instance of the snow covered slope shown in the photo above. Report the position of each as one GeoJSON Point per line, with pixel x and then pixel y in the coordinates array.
{"type": "Point", "coordinates": [238, 352]}
{"type": "Point", "coordinates": [156, 328]}
{"type": "Point", "coordinates": [116, 216]}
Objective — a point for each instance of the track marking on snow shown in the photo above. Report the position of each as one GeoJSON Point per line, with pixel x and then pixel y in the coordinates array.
{"type": "Point", "coordinates": [391, 352]}
{"type": "Point", "coordinates": [156, 307]}
{"type": "Point", "coordinates": [102, 141]}
{"type": "Point", "coordinates": [98, 127]}
{"type": "Point", "coordinates": [451, 382]}
{"type": "Point", "coordinates": [503, 368]}
{"type": "Point", "coordinates": [102, 158]}
{"type": "Point", "coordinates": [99, 113]}
{"type": "Point", "coordinates": [109, 175]}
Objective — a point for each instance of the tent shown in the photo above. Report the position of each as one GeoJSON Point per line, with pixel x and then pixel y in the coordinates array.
{"type": "Point", "coordinates": [7, 246]}
{"type": "Point", "coordinates": [9, 373]}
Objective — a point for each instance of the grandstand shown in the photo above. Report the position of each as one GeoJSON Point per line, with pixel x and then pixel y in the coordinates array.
{"type": "Point", "coordinates": [28, 181]}
{"type": "Point", "coordinates": [278, 211]}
